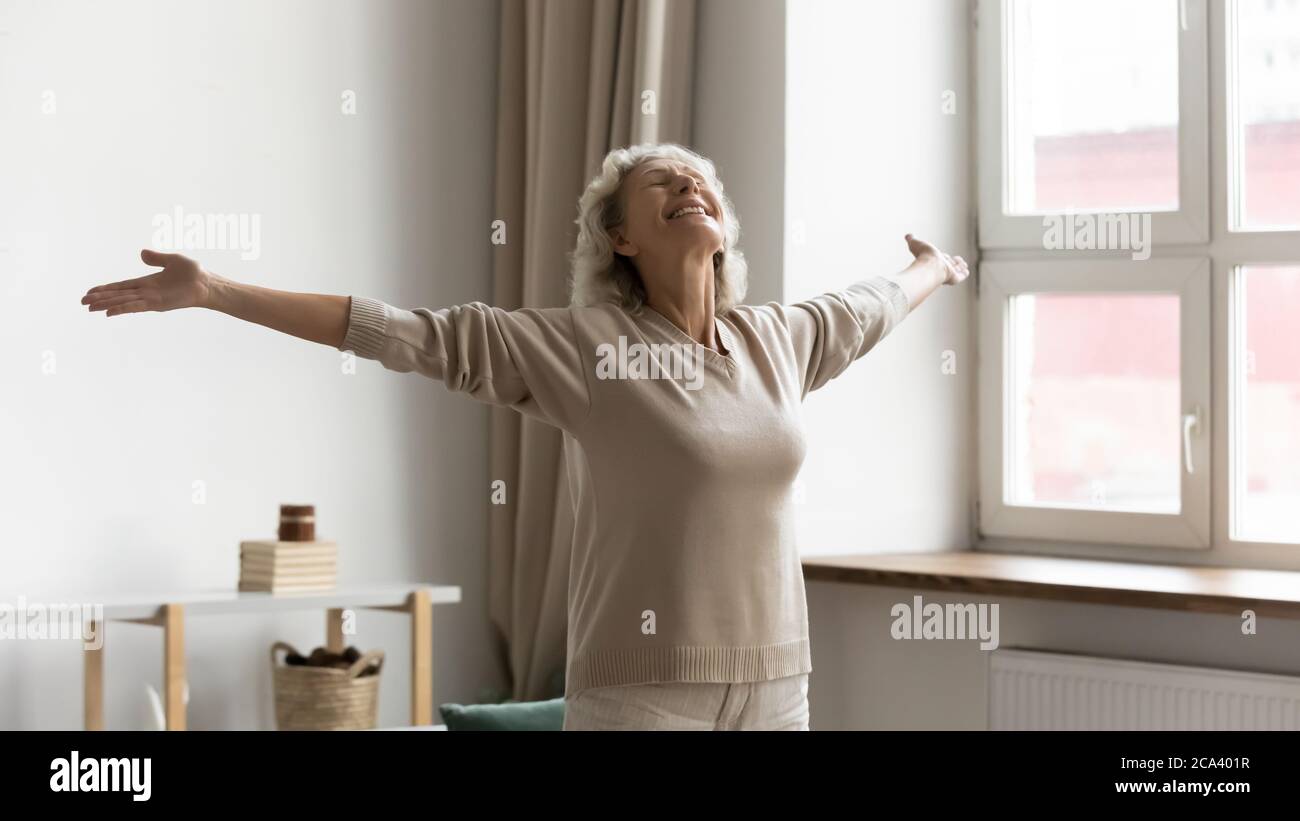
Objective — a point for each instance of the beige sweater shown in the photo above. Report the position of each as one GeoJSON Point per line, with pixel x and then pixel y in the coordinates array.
{"type": "Point", "coordinates": [684, 564]}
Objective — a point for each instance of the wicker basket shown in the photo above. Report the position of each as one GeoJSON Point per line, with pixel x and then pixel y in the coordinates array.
{"type": "Point", "coordinates": [325, 698]}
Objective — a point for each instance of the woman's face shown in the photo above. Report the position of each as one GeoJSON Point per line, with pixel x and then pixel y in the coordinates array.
{"type": "Point", "coordinates": [662, 205]}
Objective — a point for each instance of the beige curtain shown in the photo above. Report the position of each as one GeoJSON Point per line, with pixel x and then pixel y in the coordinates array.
{"type": "Point", "coordinates": [577, 78]}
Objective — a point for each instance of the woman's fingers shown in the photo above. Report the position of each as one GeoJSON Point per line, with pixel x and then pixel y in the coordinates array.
{"type": "Point", "coordinates": [157, 258]}
{"type": "Point", "coordinates": [955, 268]}
{"type": "Point", "coordinates": [134, 306]}
{"type": "Point", "coordinates": [112, 286]}
{"type": "Point", "coordinates": [112, 299]}
{"type": "Point", "coordinates": [960, 270]}
{"type": "Point", "coordinates": [920, 248]}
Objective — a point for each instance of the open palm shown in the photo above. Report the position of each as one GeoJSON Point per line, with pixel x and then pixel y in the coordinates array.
{"type": "Point", "coordinates": [955, 268]}
{"type": "Point", "coordinates": [182, 283]}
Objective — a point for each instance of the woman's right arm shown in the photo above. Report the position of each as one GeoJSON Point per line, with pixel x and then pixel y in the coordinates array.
{"type": "Point", "coordinates": [527, 359]}
{"type": "Point", "coordinates": [830, 331]}
{"type": "Point", "coordinates": [183, 283]}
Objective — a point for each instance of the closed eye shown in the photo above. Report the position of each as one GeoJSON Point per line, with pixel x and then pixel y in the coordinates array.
{"type": "Point", "coordinates": [663, 179]}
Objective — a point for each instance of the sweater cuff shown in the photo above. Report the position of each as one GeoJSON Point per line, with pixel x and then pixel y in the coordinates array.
{"type": "Point", "coordinates": [898, 304]}
{"type": "Point", "coordinates": [367, 320]}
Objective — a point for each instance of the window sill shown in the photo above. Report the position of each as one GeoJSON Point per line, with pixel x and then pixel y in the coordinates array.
{"type": "Point", "coordinates": [1121, 584]}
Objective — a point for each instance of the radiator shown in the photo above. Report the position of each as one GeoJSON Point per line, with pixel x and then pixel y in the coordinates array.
{"type": "Point", "coordinates": [1031, 690]}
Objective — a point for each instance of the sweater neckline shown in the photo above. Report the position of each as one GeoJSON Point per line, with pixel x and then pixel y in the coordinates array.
{"type": "Point", "coordinates": [726, 361]}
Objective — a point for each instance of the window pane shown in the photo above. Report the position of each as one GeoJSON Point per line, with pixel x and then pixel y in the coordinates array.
{"type": "Point", "coordinates": [1095, 399]}
{"type": "Point", "coordinates": [1092, 106]}
{"type": "Point", "coordinates": [1268, 416]}
{"type": "Point", "coordinates": [1267, 174]}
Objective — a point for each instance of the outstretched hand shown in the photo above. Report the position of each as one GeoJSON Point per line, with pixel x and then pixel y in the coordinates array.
{"type": "Point", "coordinates": [182, 283]}
{"type": "Point", "coordinates": [955, 268]}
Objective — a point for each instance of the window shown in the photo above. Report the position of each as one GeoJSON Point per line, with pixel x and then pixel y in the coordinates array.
{"type": "Point", "coordinates": [1094, 391]}
{"type": "Point", "coordinates": [1094, 412]}
{"type": "Point", "coordinates": [1139, 277]}
{"type": "Point", "coordinates": [1093, 106]}
{"type": "Point", "coordinates": [1266, 432]}
{"type": "Point", "coordinates": [1073, 142]}
{"type": "Point", "coordinates": [1264, 118]}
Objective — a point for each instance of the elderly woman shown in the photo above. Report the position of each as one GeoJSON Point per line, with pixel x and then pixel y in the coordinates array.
{"type": "Point", "coordinates": [686, 605]}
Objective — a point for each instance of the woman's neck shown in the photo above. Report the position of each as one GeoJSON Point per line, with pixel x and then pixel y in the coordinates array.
{"type": "Point", "coordinates": [684, 296]}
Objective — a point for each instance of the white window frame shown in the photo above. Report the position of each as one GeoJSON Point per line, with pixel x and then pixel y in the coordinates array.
{"type": "Point", "coordinates": [1229, 250]}
{"type": "Point", "coordinates": [1189, 224]}
{"type": "Point", "coordinates": [1189, 280]}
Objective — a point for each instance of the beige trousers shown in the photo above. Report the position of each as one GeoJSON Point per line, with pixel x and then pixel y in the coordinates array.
{"type": "Point", "coordinates": [779, 704]}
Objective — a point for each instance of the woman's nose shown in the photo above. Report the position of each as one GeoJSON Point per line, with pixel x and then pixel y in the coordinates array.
{"type": "Point", "coordinates": [686, 183]}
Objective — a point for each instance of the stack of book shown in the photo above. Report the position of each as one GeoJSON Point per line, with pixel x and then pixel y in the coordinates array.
{"type": "Point", "coordinates": [287, 567]}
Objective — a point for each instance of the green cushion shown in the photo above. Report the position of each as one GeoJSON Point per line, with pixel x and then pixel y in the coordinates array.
{"type": "Point", "coordinates": [512, 715]}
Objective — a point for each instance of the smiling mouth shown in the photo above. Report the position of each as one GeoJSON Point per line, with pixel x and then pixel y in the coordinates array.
{"type": "Point", "coordinates": [687, 211]}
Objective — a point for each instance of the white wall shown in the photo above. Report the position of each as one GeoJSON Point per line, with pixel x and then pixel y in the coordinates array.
{"type": "Point", "coordinates": [865, 680]}
{"type": "Point", "coordinates": [234, 106]}
{"type": "Point", "coordinates": [870, 156]}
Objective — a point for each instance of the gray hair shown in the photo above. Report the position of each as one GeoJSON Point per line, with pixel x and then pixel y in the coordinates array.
{"type": "Point", "coordinates": [600, 275]}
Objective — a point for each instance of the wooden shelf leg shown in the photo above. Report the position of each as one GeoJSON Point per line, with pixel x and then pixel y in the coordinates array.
{"type": "Point", "coordinates": [421, 607]}
{"type": "Point", "coordinates": [334, 630]}
{"type": "Point", "coordinates": [93, 687]}
{"type": "Point", "coordinates": [173, 623]}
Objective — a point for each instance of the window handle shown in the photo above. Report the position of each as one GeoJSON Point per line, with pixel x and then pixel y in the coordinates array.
{"type": "Point", "coordinates": [1191, 423]}
{"type": "Point", "coordinates": [1182, 14]}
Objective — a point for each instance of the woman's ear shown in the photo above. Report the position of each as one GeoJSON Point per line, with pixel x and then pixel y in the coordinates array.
{"type": "Point", "coordinates": [622, 245]}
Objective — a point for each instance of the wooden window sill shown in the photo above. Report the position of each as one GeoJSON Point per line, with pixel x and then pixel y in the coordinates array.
{"type": "Point", "coordinates": [1123, 584]}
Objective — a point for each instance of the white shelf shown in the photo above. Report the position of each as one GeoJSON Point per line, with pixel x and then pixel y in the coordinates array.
{"type": "Point", "coordinates": [220, 601]}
